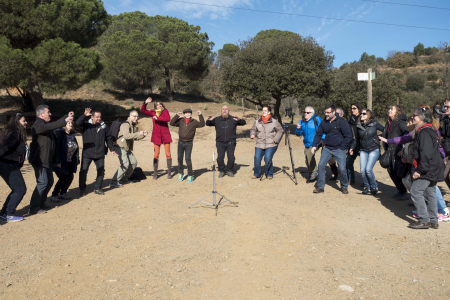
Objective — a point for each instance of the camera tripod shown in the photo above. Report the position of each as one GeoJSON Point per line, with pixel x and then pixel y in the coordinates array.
{"type": "Point", "coordinates": [214, 192]}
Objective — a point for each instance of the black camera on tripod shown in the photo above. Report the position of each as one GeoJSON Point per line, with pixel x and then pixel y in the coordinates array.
{"type": "Point", "coordinates": [288, 112]}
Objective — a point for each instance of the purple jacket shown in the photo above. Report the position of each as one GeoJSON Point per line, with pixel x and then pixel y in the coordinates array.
{"type": "Point", "coordinates": [407, 138]}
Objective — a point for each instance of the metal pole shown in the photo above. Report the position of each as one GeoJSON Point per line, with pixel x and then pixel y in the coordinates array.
{"type": "Point", "coordinates": [369, 89]}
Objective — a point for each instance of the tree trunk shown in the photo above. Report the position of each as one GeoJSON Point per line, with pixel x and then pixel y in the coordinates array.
{"type": "Point", "coordinates": [276, 109]}
{"type": "Point", "coordinates": [28, 99]}
{"type": "Point", "coordinates": [168, 89]}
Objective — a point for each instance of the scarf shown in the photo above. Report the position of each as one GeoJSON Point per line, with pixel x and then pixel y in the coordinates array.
{"type": "Point", "coordinates": [158, 112]}
{"type": "Point", "coordinates": [265, 119]}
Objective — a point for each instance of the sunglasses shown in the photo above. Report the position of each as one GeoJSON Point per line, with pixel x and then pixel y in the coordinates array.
{"type": "Point", "coordinates": [354, 108]}
{"type": "Point", "coordinates": [446, 106]}
{"type": "Point", "coordinates": [364, 114]}
{"type": "Point", "coordinates": [308, 112]}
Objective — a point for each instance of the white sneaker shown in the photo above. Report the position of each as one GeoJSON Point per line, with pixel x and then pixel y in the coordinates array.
{"type": "Point", "coordinates": [115, 185]}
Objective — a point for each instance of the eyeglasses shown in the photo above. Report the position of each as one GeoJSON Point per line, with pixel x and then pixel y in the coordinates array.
{"type": "Point", "coordinates": [364, 114]}
{"type": "Point", "coordinates": [415, 115]}
{"type": "Point", "coordinates": [328, 112]}
{"type": "Point", "coordinates": [308, 112]}
{"type": "Point", "coordinates": [446, 106]}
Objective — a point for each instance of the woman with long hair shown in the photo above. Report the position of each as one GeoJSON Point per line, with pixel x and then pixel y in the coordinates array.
{"type": "Point", "coordinates": [367, 138]}
{"type": "Point", "coordinates": [352, 121]}
{"type": "Point", "coordinates": [13, 152]}
{"type": "Point", "coordinates": [67, 160]}
{"type": "Point", "coordinates": [160, 134]}
{"type": "Point", "coordinates": [395, 127]}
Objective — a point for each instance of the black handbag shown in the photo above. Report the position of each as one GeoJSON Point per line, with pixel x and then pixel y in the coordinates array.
{"type": "Point", "coordinates": [385, 158]}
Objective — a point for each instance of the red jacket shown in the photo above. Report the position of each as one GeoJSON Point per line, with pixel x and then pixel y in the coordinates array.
{"type": "Point", "coordinates": [160, 133]}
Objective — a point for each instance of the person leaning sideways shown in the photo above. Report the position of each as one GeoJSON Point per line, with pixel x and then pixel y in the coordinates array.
{"type": "Point", "coordinates": [225, 139]}
{"type": "Point", "coordinates": [352, 120]}
{"type": "Point", "coordinates": [160, 134]}
{"type": "Point", "coordinates": [43, 154]}
{"type": "Point", "coordinates": [96, 142]}
{"type": "Point", "coordinates": [395, 127]}
{"type": "Point", "coordinates": [13, 152]}
{"type": "Point", "coordinates": [367, 139]}
{"type": "Point", "coordinates": [268, 132]}
{"type": "Point", "coordinates": [308, 127]}
{"type": "Point", "coordinates": [427, 170]}
{"type": "Point", "coordinates": [338, 136]}
{"type": "Point", "coordinates": [128, 133]}
{"type": "Point", "coordinates": [67, 160]}
{"type": "Point", "coordinates": [186, 133]}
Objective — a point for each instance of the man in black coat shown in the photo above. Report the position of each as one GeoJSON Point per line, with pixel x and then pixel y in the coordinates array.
{"type": "Point", "coordinates": [225, 139]}
{"type": "Point", "coordinates": [95, 134]}
{"type": "Point", "coordinates": [43, 154]}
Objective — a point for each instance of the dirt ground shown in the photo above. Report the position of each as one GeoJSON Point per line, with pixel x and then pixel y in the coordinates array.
{"type": "Point", "coordinates": [143, 241]}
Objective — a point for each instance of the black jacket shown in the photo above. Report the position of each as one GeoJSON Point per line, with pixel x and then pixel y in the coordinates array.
{"type": "Point", "coordinates": [13, 149]}
{"type": "Point", "coordinates": [445, 131]}
{"type": "Point", "coordinates": [94, 138]}
{"type": "Point", "coordinates": [334, 139]}
{"type": "Point", "coordinates": [367, 135]}
{"type": "Point", "coordinates": [43, 142]}
{"type": "Point", "coordinates": [61, 153]}
{"type": "Point", "coordinates": [354, 144]}
{"type": "Point", "coordinates": [427, 159]}
{"type": "Point", "coordinates": [225, 128]}
{"type": "Point", "coordinates": [398, 128]}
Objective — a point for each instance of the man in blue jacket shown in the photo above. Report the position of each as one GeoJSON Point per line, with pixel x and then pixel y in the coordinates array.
{"type": "Point", "coordinates": [308, 127]}
{"type": "Point", "coordinates": [338, 136]}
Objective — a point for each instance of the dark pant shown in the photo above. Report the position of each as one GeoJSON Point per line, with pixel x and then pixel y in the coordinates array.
{"type": "Point", "coordinates": [229, 149]}
{"type": "Point", "coordinates": [44, 182]}
{"type": "Point", "coordinates": [99, 164]}
{"type": "Point", "coordinates": [392, 170]}
{"type": "Point", "coordinates": [350, 169]}
{"type": "Point", "coordinates": [185, 149]}
{"type": "Point", "coordinates": [14, 179]}
{"type": "Point", "coordinates": [63, 183]}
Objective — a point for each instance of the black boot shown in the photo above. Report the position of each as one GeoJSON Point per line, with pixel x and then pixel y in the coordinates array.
{"type": "Point", "coordinates": [155, 169]}
{"type": "Point", "coordinates": [169, 168]}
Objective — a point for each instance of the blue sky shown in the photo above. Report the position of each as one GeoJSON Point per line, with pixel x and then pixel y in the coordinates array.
{"type": "Point", "coordinates": [347, 40]}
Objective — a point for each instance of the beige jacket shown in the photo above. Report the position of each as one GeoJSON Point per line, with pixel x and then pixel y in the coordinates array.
{"type": "Point", "coordinates": [267, 134]}
{"type": "Point", "coordinates": [127, 134]}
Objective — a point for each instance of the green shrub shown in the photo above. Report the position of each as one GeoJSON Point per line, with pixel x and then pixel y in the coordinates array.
{"type": "Point", "coordinates": [433, 77]}
{"type": "Point", "coordinates": [415, 82]}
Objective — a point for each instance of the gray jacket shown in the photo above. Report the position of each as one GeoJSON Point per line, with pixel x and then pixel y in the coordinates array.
{"type": "Point", "coordinates": [268, 135]}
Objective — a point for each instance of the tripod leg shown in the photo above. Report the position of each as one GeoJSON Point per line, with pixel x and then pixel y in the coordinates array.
{"type": "Point", "coordinates": [292, 159]}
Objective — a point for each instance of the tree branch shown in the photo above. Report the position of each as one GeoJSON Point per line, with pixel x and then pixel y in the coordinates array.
{"type": "Point", "coordinates": [15, 100]}
{"type": "Point", "coordinates": [254, 102]}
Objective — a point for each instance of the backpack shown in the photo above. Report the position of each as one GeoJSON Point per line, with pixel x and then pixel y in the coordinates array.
{"type": "Point", "coordinates": [137, 175]}
{"type": "Point", "coordinates": [115, 128]}
{"type": "Point", "coordinates": [338, 126]}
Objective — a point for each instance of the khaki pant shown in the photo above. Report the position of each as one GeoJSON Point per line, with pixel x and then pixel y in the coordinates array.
{"type": "Point", "coordinates": [310, 160]}
{"type": "Point", "coordinates": [127, 164]}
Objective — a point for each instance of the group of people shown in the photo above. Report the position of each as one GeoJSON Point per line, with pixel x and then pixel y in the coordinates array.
{"type": "Point", "coordinates": [54, 149]}
{"type": "Point", "coordinates": [414, 151]}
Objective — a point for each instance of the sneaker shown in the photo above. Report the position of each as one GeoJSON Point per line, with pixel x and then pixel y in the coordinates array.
{"type": "Point", "coordinates": [313, 176]}
{"type": "Point", "coordinates": [415, 215]}
{"type": "Point", "coordinates": [365, 191]}
{"type": "Point", "coordinates": [374, 191]}
{"type": "Point", "coordinates": [100, 192]}
{"type": "Point", "coordinates": [112, 185]}
{"type": "Point", "coordinates": [318, 190]}
{"type": "Point", "coordinates": [443, 218]}
{"type": "Point", "coordinates": [414, 212]}
{"type": "Point", "coordinates": [344, 191]}
{"type": "Point", "coordinates": [419, 225]}
{"type": "Point", "coordinates": [10, 219]}
{"type": "Point", "coordinates": [230, 174]}
{"type": "Point", "coordinates": [55, 199]}
{"type": "Point", "coordinates": [181, 177]}
{"type": "Point", "coordinates": [64, 197]}
{"type": "Point", "coordinates": [190, 178]}
{"type": "Point", "coordinates": [255, 177]}
{"type": "Point", "coordinates": [221, 174]}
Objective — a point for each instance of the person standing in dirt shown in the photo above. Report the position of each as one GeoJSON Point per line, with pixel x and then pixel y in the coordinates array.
{"type": "Point", "coordinates": [128, 132]}
{"type": "Point", "coordinates": [67, 160]}
{"type": "Point", "coordinates": [445, 131]}
{"type": "Point", "coordinates": [338, 136]}
{"type": "Point", "coordinates": [43, 154]}
{"type": "Point", "coordinates": [13, 152]}
{"type": "Point", "coordinates": [268, 133]}
{"type": "Point", "coordinates": [308, 127]}
{"type": "Point", "coordinates": [225, 139]}
{"type": "Point", "coordinates": [96, 142]}
{"type": "Point", "coordinates": [352, 120]}
{"type": "Point", "coordinates": [187, 128]}
{"type": "Point", "coordinates": [160, 134]}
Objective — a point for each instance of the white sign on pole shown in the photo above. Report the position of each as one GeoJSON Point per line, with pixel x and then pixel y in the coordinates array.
{"type": "Point", "coordinates": [363, 76]}
{"type": "Point", "coordinates": [372, 76]}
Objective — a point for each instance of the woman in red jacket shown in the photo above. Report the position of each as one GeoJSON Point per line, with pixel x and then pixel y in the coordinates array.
{"type": "Point", "coordinates": [160, 134]}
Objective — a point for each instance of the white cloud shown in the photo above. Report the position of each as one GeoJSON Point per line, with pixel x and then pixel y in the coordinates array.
{"type": "Point", "coordinates": [206, 8]}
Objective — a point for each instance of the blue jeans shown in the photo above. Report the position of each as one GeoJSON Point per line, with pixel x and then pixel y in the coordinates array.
{"type": "Point", "coordinates": [440, 201]}
{"type": "Point", "coordinates": [44, 182]}
{"type": "Point", "coordinates": [268, 155]}
{"type": "Point", "coordinates": [14, 179]}
{"type": "Point", "coordinates": [339, 156]}
{"type": "Point", "coordinates": [367, 162]}
{"type": "Point", "coordinates": [349, 165]}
